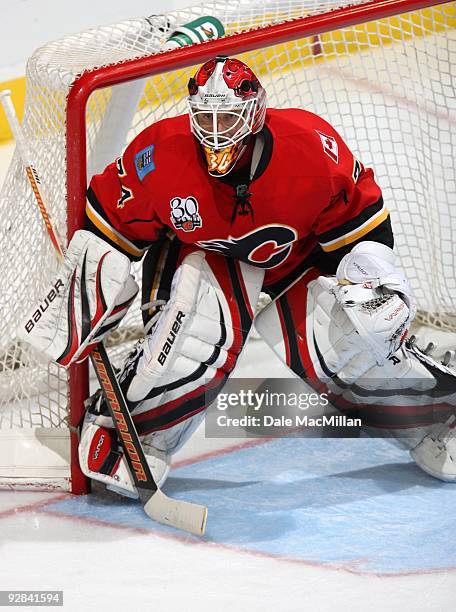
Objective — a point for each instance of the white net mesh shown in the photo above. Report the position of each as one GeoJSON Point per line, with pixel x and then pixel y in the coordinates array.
{"type": "Point", "coordinates": [387, 86]}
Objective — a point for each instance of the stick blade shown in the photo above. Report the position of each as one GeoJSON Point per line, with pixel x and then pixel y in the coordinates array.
{"type": "Point", "coordinates": [177, 513]}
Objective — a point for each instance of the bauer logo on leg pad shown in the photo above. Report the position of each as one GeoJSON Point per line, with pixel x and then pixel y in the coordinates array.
{"type": "Point", "coordinates": [175, 328]}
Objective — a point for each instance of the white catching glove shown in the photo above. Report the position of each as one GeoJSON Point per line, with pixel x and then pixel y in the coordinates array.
{"type": "Point", "coordinates": [375, 263]}
{"type": "Point", "coordinates": [376, 297]}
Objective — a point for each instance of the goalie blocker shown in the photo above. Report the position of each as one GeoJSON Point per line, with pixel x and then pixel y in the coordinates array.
{"type": "Point", "coordinates": [91, 294]}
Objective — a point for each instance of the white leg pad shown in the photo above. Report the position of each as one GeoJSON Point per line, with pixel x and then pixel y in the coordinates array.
{"type": "Point", "coordinates": [99, 459]}
{"type": "Point", "coordinates": [436, 453]}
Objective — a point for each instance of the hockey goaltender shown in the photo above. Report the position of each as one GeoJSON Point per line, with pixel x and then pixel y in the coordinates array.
{"type": "Point", "coordinates": [223, 202]}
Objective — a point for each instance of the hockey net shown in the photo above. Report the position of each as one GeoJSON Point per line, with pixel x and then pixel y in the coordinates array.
{"type": "Point", "coordinates": [381, 72]}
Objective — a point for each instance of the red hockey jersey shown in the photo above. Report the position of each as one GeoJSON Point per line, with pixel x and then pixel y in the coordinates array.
{"type": "Point", "coordinates": [307, 189]}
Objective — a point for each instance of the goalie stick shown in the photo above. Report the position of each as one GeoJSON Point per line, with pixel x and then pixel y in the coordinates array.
{"type": "Point", "coordinates": [158, 506]}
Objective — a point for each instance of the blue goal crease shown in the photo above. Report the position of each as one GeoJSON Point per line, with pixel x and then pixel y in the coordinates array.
{"type": "Point", "coordinates": [353, 502]}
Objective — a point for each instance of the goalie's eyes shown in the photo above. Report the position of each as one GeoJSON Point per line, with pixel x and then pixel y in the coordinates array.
{"type": "Point", "coordinates": [225, 121]}
{"type": "Point", "coordinates": [205, 120]}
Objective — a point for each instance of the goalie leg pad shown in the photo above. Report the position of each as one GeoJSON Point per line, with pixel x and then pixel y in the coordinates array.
{"type": "Point", "coordinates": [101, 458]}
{"type": "Point", "coordinates": [436, 453]}
{"type": "Point", "coordinates": [171, 439]}
{"type": "Point", "coordinates": [186, 359]}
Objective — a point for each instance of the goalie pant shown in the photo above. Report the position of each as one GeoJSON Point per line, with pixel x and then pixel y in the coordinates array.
{"type": "Point", "coordinates": [308, 330]}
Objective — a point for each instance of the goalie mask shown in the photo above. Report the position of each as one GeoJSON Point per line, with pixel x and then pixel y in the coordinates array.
{"type": "Point", "coordinates": [226, 104]}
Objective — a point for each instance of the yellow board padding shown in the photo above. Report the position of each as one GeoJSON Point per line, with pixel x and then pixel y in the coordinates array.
{"type": "Point", "coordinates": [17, 87]}
{"type": "Point", "coordinates": [387, 31]}
{"type": "Point", "coordinates": [164, 89]}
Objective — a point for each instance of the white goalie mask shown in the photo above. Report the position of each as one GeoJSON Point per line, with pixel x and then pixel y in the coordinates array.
{"type": "Point", "coordinates": [226, 104]}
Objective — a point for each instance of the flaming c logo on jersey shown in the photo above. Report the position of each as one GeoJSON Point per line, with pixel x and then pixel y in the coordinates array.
{"type": "Point", "coordinates": [266, 247]}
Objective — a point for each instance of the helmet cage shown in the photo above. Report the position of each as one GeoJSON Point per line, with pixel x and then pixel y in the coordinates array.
{"type": "Point", "coordinates": [218, 125]}
{"type": "Point", "coordinates": [226, 104]}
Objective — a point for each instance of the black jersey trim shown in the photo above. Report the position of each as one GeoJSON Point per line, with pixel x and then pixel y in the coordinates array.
{"type": "Point", "coordinates": [266, 154]}
{"type": "Point", "coordinates": [98, 223]}
{"type": "Point", "coordinates": [352, 224]}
